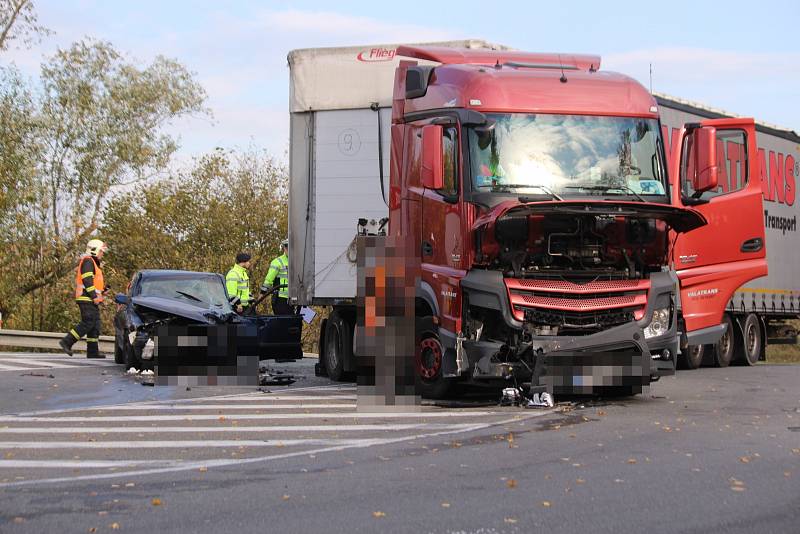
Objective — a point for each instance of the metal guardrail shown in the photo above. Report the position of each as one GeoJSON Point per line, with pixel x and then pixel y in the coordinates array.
{"type": "Point", "coordinates": [48, 340]}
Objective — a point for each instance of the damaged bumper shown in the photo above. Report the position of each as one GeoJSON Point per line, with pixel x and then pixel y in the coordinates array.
{"type": "Point", "coordinates": [621, 356]}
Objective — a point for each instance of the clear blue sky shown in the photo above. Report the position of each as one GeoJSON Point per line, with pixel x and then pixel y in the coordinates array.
{"type": "Point", "coordinates": [739, 56]}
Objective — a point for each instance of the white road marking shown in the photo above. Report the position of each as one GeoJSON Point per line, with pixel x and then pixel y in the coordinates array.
{"type": "Point", "coordinates": [78, 464]}
{"type": "Point", "coordinates": [237, 417]}
{"type": "Point", "coordinates": [14, 368]}
{"type": "Point", "coordinates": [24, 362]}
{"type": "Point", "coordinates": [229, 429]}
{"type": "Point", "coordinates": [35, 363]}
{"type": "Point", "coordinates": [186, 466]}
{"type": "Point", "coordinates": [256, 396]}
{"type": "Point", "coordinates": [187, 444]}
{"type": "Point", "coordinates": [179, 407]}
{"type": "Point", "coordinates": [385, 428]}
{"type": "Point", "coordinates": [251, 397]}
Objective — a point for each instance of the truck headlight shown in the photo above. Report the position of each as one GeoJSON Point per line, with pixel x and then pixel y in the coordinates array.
{"type": "Point", "coordinates": [659, 324]}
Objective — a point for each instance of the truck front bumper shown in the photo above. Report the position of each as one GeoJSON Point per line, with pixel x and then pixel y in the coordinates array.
{"type": "Point", "coordinates": [618, 356]}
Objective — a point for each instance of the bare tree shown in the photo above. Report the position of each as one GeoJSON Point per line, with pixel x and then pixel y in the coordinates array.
{"type": "Point", "coordinates": [19, 22]}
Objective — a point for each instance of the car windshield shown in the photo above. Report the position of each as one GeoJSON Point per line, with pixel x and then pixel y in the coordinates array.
{"type": "Point", "coordinates": [567, 155]}
{"type": "Point", "coordinates": [200, 290]}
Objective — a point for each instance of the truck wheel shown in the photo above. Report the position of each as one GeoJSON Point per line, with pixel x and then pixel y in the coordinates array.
{"type": "Point", "coordinates": [338, 345]}
{"type": "Point", "coordinates": [428, 359]}
{"type": "Point", "coordinates": [692, 357]}
{"type": "Point", "coordinates": [723, 349]}
{"type": "Point", "coordinates": [749, 352]}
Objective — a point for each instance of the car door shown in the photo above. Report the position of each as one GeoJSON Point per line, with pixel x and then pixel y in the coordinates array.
{"type": "Point", "coordinates": [716, 259]}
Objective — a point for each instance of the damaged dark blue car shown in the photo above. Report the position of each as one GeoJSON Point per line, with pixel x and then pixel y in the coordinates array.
{"type": "Point", "coordinates": [156, 298]}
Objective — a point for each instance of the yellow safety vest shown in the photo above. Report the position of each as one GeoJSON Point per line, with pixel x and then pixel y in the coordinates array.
{"type": "Point", "coordinates": [278, 268]}
{"type": "Point", "coordinates": [237, 282]}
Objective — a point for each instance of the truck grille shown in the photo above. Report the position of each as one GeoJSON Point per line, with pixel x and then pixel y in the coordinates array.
{"type": "Point", "coordinates": [577, 308]}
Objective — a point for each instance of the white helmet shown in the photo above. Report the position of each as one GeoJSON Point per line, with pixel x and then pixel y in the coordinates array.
{"type": "Point", "coordinates": [285, 243]}
{"type": "Point", "coordinates": [94, 246]}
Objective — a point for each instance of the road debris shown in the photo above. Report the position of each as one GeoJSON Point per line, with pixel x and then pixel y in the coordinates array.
{"type": "Point", "coordinates": [275, 378]}
{"type": "Point", "coordinates": [515, 396]}
{"type": "Point", "coordinates": [42, 375]}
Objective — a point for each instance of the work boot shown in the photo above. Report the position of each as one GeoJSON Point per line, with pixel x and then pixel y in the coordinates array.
{"type": "Point", "coordinates": [92, 350]}
{"type": "Point", "coordinates": [65, 347]}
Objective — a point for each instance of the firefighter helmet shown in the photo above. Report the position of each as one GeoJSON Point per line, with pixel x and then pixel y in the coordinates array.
{"type": "Point", "coordinates": [94, 246]}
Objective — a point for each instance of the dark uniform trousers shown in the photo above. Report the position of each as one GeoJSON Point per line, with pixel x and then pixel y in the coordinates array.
{"type": "Point", "coordinates": [89, 327]}
{"type": "Point", "coordinates": [280, 306]}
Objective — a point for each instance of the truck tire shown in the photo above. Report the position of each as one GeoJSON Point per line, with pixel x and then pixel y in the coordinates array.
{"type": "Point", "coordinates": [723, 349]}
{"type": "Point", "coordinates": [428, 358]}
{"type": "Point", "coordinates": [338, 345]}
{"type": "Point", "coordinates": [692, 357]}
{"type": "Point", "coordinates": [748, 352]}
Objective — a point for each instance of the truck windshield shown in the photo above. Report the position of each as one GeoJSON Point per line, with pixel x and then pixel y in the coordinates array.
{"type": "Point", "coordinates": [567, 156]}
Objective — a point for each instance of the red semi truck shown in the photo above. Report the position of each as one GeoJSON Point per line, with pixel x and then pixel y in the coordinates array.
{"type": "Point", "coordinates": [562, 243]}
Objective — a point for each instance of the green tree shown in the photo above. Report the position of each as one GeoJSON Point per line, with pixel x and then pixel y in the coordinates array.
{"type": "Point", "coordinates": [93, 127]}
{"type": "Point", "coordinates": [200, 218]}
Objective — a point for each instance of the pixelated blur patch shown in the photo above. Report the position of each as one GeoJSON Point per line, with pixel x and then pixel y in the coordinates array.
{"type": "Point", "coordinates": [207, 355]}
{"type": "Point", "coordinates": [622, 370]}
{"type": "Point", "coordinates": [388, 274]}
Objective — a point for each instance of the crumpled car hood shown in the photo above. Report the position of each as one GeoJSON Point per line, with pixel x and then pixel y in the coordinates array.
{"type": "Point", "coordinates": [180, 309]}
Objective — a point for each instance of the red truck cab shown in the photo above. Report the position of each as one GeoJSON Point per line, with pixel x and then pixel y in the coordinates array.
{"type": "Point", "coordinates": [555, 247]}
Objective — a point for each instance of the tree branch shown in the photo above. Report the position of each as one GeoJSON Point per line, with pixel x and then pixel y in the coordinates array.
{"type": "Point", "coordinates": [11, 21]}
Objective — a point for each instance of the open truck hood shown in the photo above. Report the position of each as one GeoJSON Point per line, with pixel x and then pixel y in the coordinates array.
{"type": "Point", "coordinates": [181, 309]}
{"type": "Point", "coordinates": [679, 219]}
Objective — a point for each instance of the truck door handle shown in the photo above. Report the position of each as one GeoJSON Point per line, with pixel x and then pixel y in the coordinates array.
{"type": "Point", "coordinates": [752, 245]}
{"type": "Point", "coordinates": [427, 248]}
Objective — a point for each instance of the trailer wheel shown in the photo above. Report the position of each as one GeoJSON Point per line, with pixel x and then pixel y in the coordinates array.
{"type": "Point", "coordinates": [723, 349]}
{"type": "Point", "coordinates": [428, 360]}
{"type": "Point", "coordinates": [749, 352]}
{"type": "Point", "coordinates": [338, 345]}
{"type": "Point", "coordinates": [692, 357]}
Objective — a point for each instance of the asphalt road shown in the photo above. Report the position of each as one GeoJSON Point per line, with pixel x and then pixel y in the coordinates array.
{"type": "Point", "coordinates": [83, 446]}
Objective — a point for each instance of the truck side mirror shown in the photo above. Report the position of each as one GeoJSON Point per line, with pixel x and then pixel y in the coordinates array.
{"type": "Point", "coordinates": [121, 298]}
{"type": "Point", "coordinates": [432, 165]}
{"type": "Point", "coordinates": [704, 154]}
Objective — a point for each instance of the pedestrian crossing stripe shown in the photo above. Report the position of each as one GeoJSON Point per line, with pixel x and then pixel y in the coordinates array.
{"type": "Point", "coordinates": [43, 361]}
{"type": "Point", "coordinates": [41, 445]}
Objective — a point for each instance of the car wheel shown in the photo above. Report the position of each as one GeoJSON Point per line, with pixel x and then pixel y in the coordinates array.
{"type": "Point", "coordinates": [749, 351]}
{"type": "Point", "coordinates": [338, 346]}
{"type": "Point", "coordinates": [723, 349]}
{"type": "Point", "coordinates": [119, 348]}
{"type": "Point", "coordinates": [428, 361]}
{"type": "Point", "coordinates": [692, 357]}
{"type": "Point", "coordinates": [131, 361]}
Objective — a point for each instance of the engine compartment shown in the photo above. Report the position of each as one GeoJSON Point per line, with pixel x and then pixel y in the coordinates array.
{"type": "Point", "coordinates": [579, 247]}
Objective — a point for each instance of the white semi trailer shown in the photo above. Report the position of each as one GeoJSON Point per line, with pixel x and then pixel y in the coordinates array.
{"type": "Point", "coordinates": [759, 312]}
